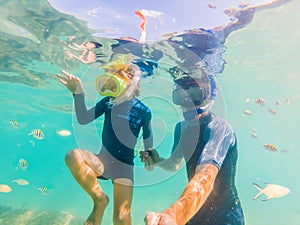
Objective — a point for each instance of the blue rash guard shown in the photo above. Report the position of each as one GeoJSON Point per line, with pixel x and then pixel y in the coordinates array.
{"type": "Point", "coordinates": [122, 125]}
{"type": "Point", "coordinates": [211, 140]}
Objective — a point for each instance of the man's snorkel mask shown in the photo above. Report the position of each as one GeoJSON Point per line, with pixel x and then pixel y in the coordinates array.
{"type": "Point", "coordinates": [192, 93]}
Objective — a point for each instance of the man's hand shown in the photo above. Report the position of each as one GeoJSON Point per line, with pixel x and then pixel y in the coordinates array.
{"type": "Point", "coordinates": [156, 218]}
{"type": "Point", "coordinates": [73, 83]}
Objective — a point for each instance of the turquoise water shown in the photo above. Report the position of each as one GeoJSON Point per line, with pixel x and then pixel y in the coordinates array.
{"type": "Point", "coordinates": [262, 61]}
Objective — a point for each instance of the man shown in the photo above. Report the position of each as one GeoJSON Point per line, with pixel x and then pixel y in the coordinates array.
{"type": "Point", "coordinates": [208, 145]}
{"type": "Point", "coordinates": [125, 116]}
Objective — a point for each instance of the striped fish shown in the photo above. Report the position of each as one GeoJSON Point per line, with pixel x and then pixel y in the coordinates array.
{"type": "Point", "coordinates": [23, 164]}
{"type": "Point", "coordinates": [43, 190]}
{"type": "Point", "coordinates": [14, 123]}
{"type": "Point", "coordinates": [270, 147]}
{"type": "Point", "coordinates": [38, 134]}
{"type": "Point", "coordinates": [260, 101]}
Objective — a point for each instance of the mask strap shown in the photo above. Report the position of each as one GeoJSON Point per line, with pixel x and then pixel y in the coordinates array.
{"type": "Point", "coordinates": [127, 93]}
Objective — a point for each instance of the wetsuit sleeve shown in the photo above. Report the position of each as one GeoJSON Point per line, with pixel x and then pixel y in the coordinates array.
{"type": "Point", "coordinates": [147, 130]}
{"type": "Point", "coordinates": [219, 137]}
{"type": "Point", "coordinates": [176, 149]}
{"type": "Point", "coordinates": [85, 115]}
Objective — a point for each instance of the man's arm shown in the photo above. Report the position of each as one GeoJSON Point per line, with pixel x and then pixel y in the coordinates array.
{"type": "Point", "coordinates": [170, 164]}
{"type": "Point", "coordinates": [191, 200]}
{"type": "Point", "coordinates": [194, 195]}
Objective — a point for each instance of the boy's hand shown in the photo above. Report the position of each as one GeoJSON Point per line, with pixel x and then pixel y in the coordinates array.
{"type": "Point", "coordinates": [150, 158]}
{"type": "Point", "coordinates": [73, 83]}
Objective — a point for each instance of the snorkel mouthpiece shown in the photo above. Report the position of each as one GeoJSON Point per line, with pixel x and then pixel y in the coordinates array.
{"type": "Point", "coordinates": [192, 114]}
{"type": "Point", "coordinates": [190, 92]}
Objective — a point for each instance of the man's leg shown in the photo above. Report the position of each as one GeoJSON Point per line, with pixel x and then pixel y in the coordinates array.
{"type": "Point", "coordinates": [85, 168]}
{"type": "Point", "coordinates": [122, 201]}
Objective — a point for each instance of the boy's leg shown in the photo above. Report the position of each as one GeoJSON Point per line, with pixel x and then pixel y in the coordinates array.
{"type": "Point", "coordinates": [122, 201]}
{"type": "Point", "coordinates": [85, 168]}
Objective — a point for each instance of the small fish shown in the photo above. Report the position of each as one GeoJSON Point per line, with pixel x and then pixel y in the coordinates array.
{"type": "Point", "coordinates": [5, 188]}
{"type": "Point", "coordinates": [43, 190]}
{"type": "Point", "coordinates": [271, 191]}
{"type": "Point", "coordinates": [212, 6]}
{"type": "Point", "coordinates": [278, 102]}
{"type": "Point", "coordinates": [23, 164]}
{"type": "Point", "coordinates": [38, 134]}
{"type": "Point", "coordinates": [260, 101]}
{"type": "Point", "coordinates": [254, 135]}
{"type": "Point", "coordinates": [270, 147]}
{"type": "Point", "coordinates": [21, 182]}
{"type": "Point", "coordinates": [287, 101]}
{"type": "Point", "coordinates": [272, 111]}
{"type": "Point", "coordinates": [32, 143]}
{"type": "Point", "coordinates": [247, 100]}
{"type": "Point", "coordinates": [14, 123]}
{"type": "Point", "coordinates": [247, 112]}
{"type": "Point", "coordinates": [63, 133]}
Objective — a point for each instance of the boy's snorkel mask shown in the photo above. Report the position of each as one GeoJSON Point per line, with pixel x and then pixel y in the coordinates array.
{"type": "Point", "coordinates": [111, 84]}
{"type": "Point", "coordinates": [120, 80]}
{"type": "Point", "coordinates": [190, 92]}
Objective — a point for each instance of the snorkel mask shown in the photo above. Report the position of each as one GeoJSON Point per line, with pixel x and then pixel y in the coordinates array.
{"type": "Point", "coordinates": [120, 80]}
{"type": "Point", "coordinates": [111, 84]}
{"type": "Point", "coordinates": [191, 93]}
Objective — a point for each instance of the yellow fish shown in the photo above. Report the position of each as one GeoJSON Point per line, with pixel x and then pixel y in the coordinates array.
{"type": "Point", "coordinates": [21, 182]}
{"type": "Point", "coordinates": [247, 112]}
{"type": "Point", "coordinates": [270, 147]}
{"type": "Point", "coordinates": [272, 111]}
{"type": "Point", "coordinates": [63, 133]}
{"type": "Point", "coordinates": [272, 191]}
{"type": "Point", "coordinates": [5, 188]}
{"type": "Point", "coordinates": [38, 134]}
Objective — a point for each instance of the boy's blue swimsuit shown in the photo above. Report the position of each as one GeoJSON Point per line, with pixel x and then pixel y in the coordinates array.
{"type": "Point", "coordinates": [211, 140]}
{"type": "Point", "coordinates": [122, 124]}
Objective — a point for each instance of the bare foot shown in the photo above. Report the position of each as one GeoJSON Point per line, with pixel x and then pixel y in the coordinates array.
{"type": "Point", "coordinates": [95, 218]}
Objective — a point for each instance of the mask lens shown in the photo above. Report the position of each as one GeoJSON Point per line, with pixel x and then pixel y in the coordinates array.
{"type": "Point", "coordinates": [188, 97]}
{"type": "Point", "coordinates": [181, 97]}
{"type": "Point", "coordinates": [110, 85]}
